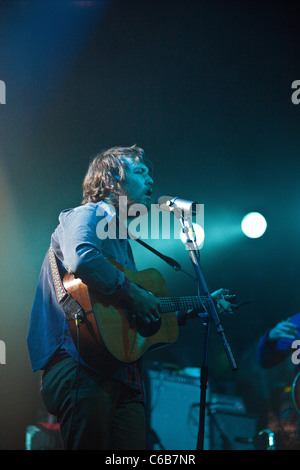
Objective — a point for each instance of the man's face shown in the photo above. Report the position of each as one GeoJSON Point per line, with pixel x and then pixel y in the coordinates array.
{"type": "Point", "coordinates": [137, 186]}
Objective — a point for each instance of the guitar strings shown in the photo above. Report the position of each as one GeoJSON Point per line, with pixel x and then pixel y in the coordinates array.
{"type": "Point", "coordinates": [178, 303]}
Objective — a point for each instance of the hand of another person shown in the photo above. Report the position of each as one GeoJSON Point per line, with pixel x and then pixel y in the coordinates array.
{"type": "Point", "coordinates": [284, 329]}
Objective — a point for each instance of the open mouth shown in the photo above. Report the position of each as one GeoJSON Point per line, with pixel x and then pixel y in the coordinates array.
{"type": "Point", "coordinates": [148, 192]}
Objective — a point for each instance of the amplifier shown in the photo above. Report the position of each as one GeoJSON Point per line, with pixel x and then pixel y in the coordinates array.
{"type": "Point", "coordinates": [229, 431]}
{"type": "Point", "coordinates": [173, 405]}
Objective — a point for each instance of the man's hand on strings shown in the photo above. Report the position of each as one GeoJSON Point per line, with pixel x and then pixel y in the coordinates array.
{"type": "Point", "coordinates": [221, 298]}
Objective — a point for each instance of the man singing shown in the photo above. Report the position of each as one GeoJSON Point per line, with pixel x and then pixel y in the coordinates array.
{"type": "Point", "coordinates": [95, 408]}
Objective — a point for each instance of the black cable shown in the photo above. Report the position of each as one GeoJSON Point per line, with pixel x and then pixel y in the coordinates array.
{"type": "Point", "coordinates": [76, 381]}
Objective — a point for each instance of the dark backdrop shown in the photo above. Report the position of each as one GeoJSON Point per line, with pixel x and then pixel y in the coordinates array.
{"type": "Point", "coordinates": [205, 88]}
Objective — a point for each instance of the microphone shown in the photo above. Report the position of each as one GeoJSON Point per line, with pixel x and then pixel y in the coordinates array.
{"type": "Point", "coordinates": [170, 203]}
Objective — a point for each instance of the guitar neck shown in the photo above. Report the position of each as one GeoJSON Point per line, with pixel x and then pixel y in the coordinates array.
{"type": "Point", "coordinates": [177, 304]}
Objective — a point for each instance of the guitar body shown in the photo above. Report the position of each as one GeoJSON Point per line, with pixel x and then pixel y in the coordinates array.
{"type": "Point", "coordinates": [107, 336]}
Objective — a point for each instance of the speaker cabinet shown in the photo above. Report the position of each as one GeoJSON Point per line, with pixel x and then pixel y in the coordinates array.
{"type": "Point", "coordinates": [230, 431]}
{"type": "Point", "coordinates": [173, 405]}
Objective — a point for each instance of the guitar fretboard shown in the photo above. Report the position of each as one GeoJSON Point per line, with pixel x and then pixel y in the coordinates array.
{"type": "Point", "coordinates": [176, 304]}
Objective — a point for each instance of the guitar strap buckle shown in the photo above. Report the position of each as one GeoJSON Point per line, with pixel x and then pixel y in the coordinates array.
{"type": "Point", "coordinates": [72, 308]}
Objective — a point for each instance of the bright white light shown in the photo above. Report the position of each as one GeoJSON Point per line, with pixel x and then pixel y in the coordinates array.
{"type": "Point", "coordinates": [199, 232]}
{"type": "Point", "coordinates": [254, 225]}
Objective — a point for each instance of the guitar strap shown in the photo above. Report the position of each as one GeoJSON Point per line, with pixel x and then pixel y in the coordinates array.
{"type": "Point", "coordinates": [176, 266]}
{"type": "Point", "coordinates": [59, 287]}
{"type": "Point", "coordinates": [170, 261]}
{"type": "Point", "coordinates": [71, 307]}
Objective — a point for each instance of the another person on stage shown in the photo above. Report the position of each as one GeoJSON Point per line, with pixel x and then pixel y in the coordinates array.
{"type": "Point", "coordinates": [277, 346]}
{"type": "Point", "coordinates": [277, 343]}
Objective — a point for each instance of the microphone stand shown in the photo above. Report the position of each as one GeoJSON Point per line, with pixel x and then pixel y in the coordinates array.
{"type": "Point", "coordinates": [194, 254]}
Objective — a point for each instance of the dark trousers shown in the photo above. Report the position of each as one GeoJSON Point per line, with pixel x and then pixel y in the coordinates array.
{"type": "Point", "coordinates": [104, 416]}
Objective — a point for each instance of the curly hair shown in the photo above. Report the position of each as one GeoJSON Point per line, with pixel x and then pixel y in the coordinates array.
{"type": "Point", "coordinates": [106, 172]}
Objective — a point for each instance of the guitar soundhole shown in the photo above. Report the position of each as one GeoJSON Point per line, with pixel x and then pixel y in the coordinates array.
{"type": "Point", "coordinates": [147, 329]}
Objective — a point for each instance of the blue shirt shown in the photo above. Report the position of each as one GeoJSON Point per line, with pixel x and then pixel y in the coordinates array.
{"type": "Point", "coordinates": [273, 352]}
{"type": "Point", "coordinates": [80, 250]}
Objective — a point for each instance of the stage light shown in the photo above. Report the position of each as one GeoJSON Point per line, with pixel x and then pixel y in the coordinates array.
{"type": "Point", "coordinates": [199, 232]}
{"type": "Point", "coordinates": [254, 225]}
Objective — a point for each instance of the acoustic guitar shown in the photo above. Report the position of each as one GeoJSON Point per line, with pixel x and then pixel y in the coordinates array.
{"type": "Point", "coordinates": [108, 335]}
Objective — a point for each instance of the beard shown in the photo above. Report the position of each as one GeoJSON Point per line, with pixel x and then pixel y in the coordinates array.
{"type": "Point", "coordinates": [122, 202]}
